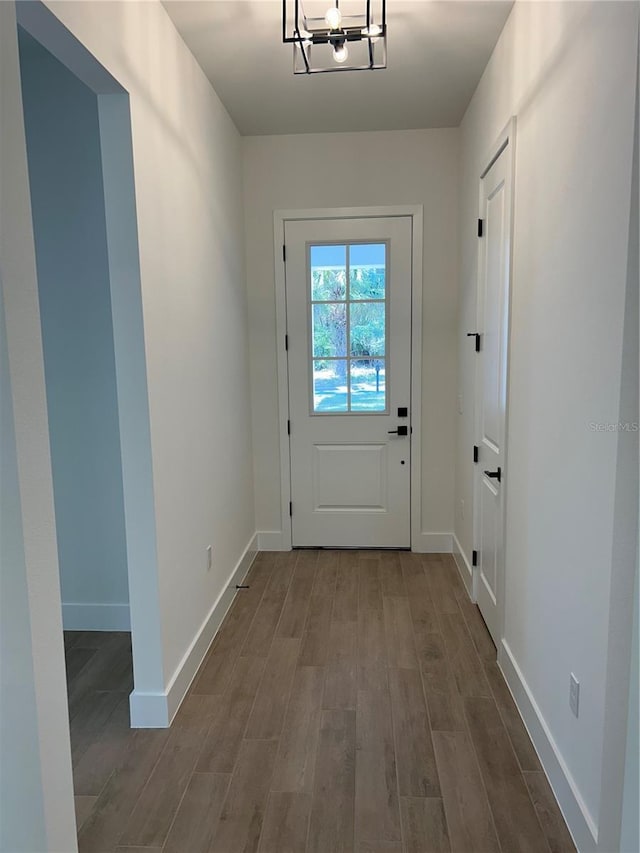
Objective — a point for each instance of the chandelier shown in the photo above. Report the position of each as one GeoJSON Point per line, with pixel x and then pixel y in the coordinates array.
{"type": "Point", "coordinates": [336, 41]}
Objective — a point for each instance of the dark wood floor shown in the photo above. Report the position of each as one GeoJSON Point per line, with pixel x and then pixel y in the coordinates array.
{"type": "Point", "coordinates": [350, 702]}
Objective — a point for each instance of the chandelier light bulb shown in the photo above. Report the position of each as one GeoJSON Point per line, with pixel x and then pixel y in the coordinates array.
{"type": "Point", "coordinates": [373, 30]}
{"type": "Point", "coordinates": [340, 53]}
{"type": "Point", "coordinates": [333, 18]}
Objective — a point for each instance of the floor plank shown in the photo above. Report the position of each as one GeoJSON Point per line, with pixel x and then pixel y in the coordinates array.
{"type": "Point", "coordinates": [391, 580]}
{"type": "Point", "coordinates": [345, 605]}
{"type": "Point", "coordinates": [372, 641]}
{"type": "Point", "coordinates": [267, 716]}
{"type": "Point", "coordinates": [331, 826]}
{"type": "Point", "coordinates": [215, 673]}
{"type": "Point", "coordinates": [127, 849]}
{"type": "Point", "coordinates": [443, 699]}
{"type": "Point", "coordinates": [266, 619]}
{"type": "Point", "coordinates": [369, 588]}
{"type": "Point", "coordinates": [84, 807]}
{"type": "Point", "coordinates": [222, 742]}
{"type": "Point", "coordinates": [469, 818]}
{"type": "Point", "coordinates": [101, 752]}
{"type": "Point", "coordinates": [240, 823]}
{"type": "Point", "coordinates": [103, 828]}
{"type": "Point", "coordinates": [441, 580]}
{"type": "Point", "coordinates": [194, 827]}
{"type": "Point", "coordinates": [424, 826]}
{"type": "Point", "coordinates": [417, 772]}
{"type": "Point", "coordinates": [76, 659]}
{"type": "Point", "coordinates": [549, 814]}
{"type": "Point", "coordinates": [515, 818]}
{"type": "Point", "coordinates": [340, 687]}
{"type": "Point", "coordinates": [522, 746]}
{"type": "Point", "coordinates": [298, 743]}
{"type": "Point", "coordinates": [480, 635]}
{"type": "Point", "coordinates": [463, 660]}
{"type": "Point", "coordinates": [341, 670]}
{"type": "Point", "coordinates": [327, 573]}
{"type": "Point", "coordinates": [423, 615]}
{"type": "Point", "coordinates": [294, 612]}
{"type": "Point", "coordinates": [377, 813]}
{"type": "Point", "coordinates": [286, 823]}
{"type": "Point", "coordinates": [315, 639]}
{"type": "Point", "coordinates": [401, 648]}
{"type": "Point", "coordinates": [153, 814]}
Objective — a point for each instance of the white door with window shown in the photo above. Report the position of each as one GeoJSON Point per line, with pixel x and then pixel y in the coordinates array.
{"type": "Point", "coordinates": [348, 302]}
{"type": "Point", "coordinates": [491, 379]}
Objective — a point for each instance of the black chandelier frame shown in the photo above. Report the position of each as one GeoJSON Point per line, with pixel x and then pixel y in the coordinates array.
{"type": "Point", "coordinates": [308, 32]}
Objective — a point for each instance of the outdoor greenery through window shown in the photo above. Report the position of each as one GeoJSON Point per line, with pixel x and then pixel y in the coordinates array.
{"type": "Point", "coordinates": [348, 323]}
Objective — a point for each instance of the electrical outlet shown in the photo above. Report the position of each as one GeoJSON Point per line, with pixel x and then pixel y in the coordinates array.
{"type": "Point", "coordinates": [462, 508]}
{"type": "Point", "coordinates": [574, 694]}
{"type": "Point", "coordinates": [209, 558]}
{"type": "Point", "coordinates": [460, 406]}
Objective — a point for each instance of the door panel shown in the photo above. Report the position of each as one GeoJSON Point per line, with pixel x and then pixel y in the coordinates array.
{"type": "Point", "coordinates": [350, 477]}
{"type": "Point", "coordinates": [348, 288]}
{"type": "Point", "coordinates": [493, 304]}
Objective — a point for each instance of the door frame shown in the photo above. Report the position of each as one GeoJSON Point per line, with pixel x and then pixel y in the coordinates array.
{"type": "Point", "coordinates": [506, 140]}
{"type": "Point", "coordinates": [280, 218]}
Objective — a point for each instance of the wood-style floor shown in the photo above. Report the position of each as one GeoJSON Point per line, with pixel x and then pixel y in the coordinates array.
{"type": "Point", "coordinates": [350, 702]}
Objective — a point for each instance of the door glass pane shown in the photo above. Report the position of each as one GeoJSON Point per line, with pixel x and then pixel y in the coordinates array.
{"type": "Point", "coordinates": [348, 309]}
{"type": "Point", "coordinates": [328, 273]}
{"type": "Point", "coordinates": [367, 328]}
{"type": "Point", "coordinates": [330, 329]}
{"type": "Point", "coordinates": [330, 387]}
{"type": "Point", "coordinates": [367, 271]}
{"type": "Point", "coordinates": [368, 385]}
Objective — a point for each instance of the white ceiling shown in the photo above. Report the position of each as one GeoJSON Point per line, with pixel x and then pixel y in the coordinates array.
{"type": "Point", "coordinates": [437, 51]}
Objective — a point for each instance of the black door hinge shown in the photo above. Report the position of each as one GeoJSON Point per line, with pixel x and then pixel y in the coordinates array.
{"type": "Point", "coordinates": [480, 227]}
{"type": "Point", "coordinates": [475, 335]}
{"type": "Point", "coordinates": [290, 508]}
{"type": "Point", "coordinates": [476, 452]}
{"type": "Point", "coordinates": [284, 252]}
{"type": "Point", "coordinates": [474, 558]}
{"type": "Point", "coordinates": [286, 342]}
{"type": "Point", "coordinates": [289, 428]}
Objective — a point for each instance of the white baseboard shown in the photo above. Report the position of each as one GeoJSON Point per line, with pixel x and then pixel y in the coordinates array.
{"type": "Point", "coordinates": [464, 566]}
{"type": "Point", "coordinates": [433, 543]}
{"type": "Point", "coordinates": [81, 616]}
{"type": "Point", "coordinates": [581, 824]}
{"type": "Point", "coordinates": [271, 540]}
{"type": "Point", "coordinates": [157, 710]}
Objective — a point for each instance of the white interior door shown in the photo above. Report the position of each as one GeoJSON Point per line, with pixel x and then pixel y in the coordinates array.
{"type": "Point", "coordinates": [493, 309]}
{"type": "Point", "coordinates": [348, 289]}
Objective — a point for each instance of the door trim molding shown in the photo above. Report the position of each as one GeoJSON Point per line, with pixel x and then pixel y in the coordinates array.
{"type": "Point", "coordinates": [506, 140]}
{"type": "Point", "coordinates": [280, 217]}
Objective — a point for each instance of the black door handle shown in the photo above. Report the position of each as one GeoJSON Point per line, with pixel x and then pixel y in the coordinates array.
{"type": "Point", "coordinates": [475, 335]}
{"type": "Point", "coordinates": [495, 475]}
{"type": "Point", "coordinates": [402, 430]}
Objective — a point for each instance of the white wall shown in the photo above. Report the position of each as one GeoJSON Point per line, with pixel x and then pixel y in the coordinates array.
{"type": "Point", "coordinates": [567, 71]}
{"type": "Point", "coordinates": [351, 170]}
{"type": "Point", "coordinates": [67, 202]}
{"type": "Point", "coordinates": [35, 757]}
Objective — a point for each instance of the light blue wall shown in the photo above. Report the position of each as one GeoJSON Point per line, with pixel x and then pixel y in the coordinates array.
{"type": "Point", "coordinates": [63, 147]}
{"type": "Point", "coordinates": [20, 780]}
